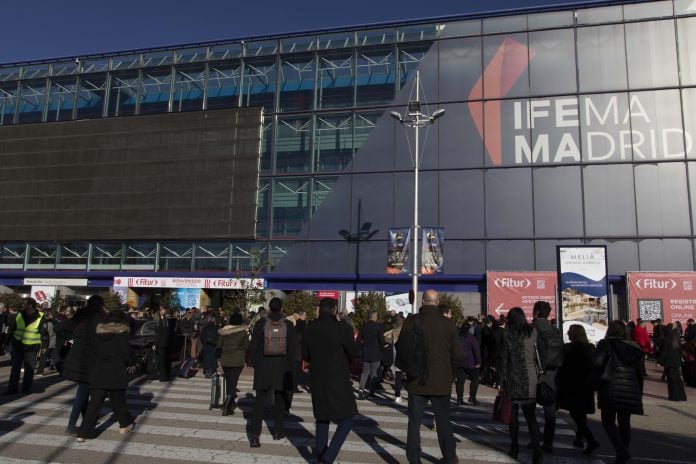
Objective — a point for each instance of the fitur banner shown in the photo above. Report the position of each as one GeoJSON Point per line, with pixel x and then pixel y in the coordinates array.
{"type": "Point", "coordinates": [398, 250]}
{"type": "Point", "coordinates": [584, 289]}
{"type": "Point", "coordinates": [669, 296]}
{"type": "Point", "coordinates": [506, 290]}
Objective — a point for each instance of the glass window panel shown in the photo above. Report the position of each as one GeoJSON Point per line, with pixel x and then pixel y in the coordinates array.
{"type": "Point", "coordinates": [191, 55]}
{"type": "Point", "coordinates": [420, 32]}
{"type": "Point", "coordinates": [161, 58]}
{"type": "Point", "coordinates": [293, 144]}
{"type": "Point", "coordinates": [61, 99]}
{"type": "Point", "coordinates": [411, 58]}
{"type": "Point", "coordinates": [663, 209]}
{"type": "Point", "coordinates": [666, 255]}
{"type": "Point", "coordinates": [189, 88]}
{"type": "Point", "coordinates": [509, 203]}
{"type": "Point", "coordinates": [610, 208]}
{"type": "Point", "coordinates": [260, 83]}
{"type": "Point", "coordinates": [467, 188]}
{"type": "Point", "coordinates": [341, 40]}
{"type": "Point", "coordinates": [365, 122]}
{"type": "Point", "coordinates": [223, 85]}
{"type": "Point", "coordinates": [545, 253]}
{"type": "Point", "coordinates": [298, 44]}
{"type": "Point", "coordinates": [261, 48]}
{"type": "Point", "coordinates": [554, 131]}
{"type": "Point", "coordinates": [333, 257]}
{"type": "Point", "coordinates": [648, 10]}
{"type": "Point", "coordinates": [31, 101]}
{"type": "Point", "coordinates": [692, 191]}
{"type": "Point", "coordinates": [263, 207]}
{"type": "Point", "coordinates": [428, 198]}
{"type": "Point", "coordinates": [323, 186]}
{"type": "Point", "coordinates": [689, 112]}
{"type": "Point", "coordinates": [123, 96]}
{"type": "Point", "coordinates": [509, 255]}
{"type": "Point", "coordinates": [622, 255]}
{"type": "Point", "coordinates": [461, 28]}
{"type": "Point", "coordinates": [558, 202]}
{"type": "Point", "coordinates": [336, 80]}
{"type": "Point", "coordinates": [605, 128]}
{"type": "Point", "coordinates": [8, 103]}
{"type": "Point", "coordinates": [334, 141]}
{"type": "Point", "coordinates": [376, 76]}
{"type": "Point", "coordinates": [212, 256]}
{"type": "Point", "coordinates": [277, 252]}
{"type": "Point", "coordinates": [461, 146]}
{"type": "Point", "coordinates": [249, 257]}
{"type": "Point", "coordinates": [290, 206]}
{"type": "Point", "coordinates": [95, 65]}
{"type": "Point", "coordinates": [267, 145]}
{"type": "Point", "coordinates": [156, 87]}
{"type": "Point", "coordinates": [684, 7]}
{"type": "Point", "coordinates": [106, 256]}
{"type": "Point", "coordinates": [465, 256]}
{"type": "Point", "coordinates": [12, 255]}
{"type": "Point", "coordinates": [372, 200]}
{"type": "Point", "coordinates": [35, 72]}
{"type": "Point", "coordinates": [140, 256]}
{"type": "Point", "coordinates": [550, 19]}
{"type": "Point", "coordinates": [226, 51]}
{"type": "Point", "coordinates": [9, 73]}
{"type": "Point", "coordinates": [552, 66]}
{"type": "Point", "coordinates": [505, 24]}
{"type": "Point", "coordinates": [601, 58]}
{"type": "Point", "coordinates": [686, 28]}
{"type": "Point", "coordinates": [63, 69]}
{"type": "Point", "coordinates": [90, 103]}
{"type": "Point", "coordinates": [652, 54]}
{"type": "Point", "coordinates": [656, 125]}
{"type": "Point", "coordinates": [42, 256]}
{"type": "Point", "coordinates": [510, 53]}
{"type": "Point", "coordinates": [376, 37]}
{"type": "Point", "coordinates": [460, 68]}
{"type": "Point", "coordinates": [296, 83]}
{"type": "Point", "coordinates": [175, 256]}
{"type": "Point", "coordinates": [73, 256]}
{"type": "Point", "coordinates": [604, 14]}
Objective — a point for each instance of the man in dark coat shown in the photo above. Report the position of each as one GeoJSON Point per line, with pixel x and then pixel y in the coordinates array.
{"type": "Point", "coordinates": [444, 355]}
{"type": "Point", "coordinates": [372, 340]}
{"type": "Point", "coordinates": [272, 373]}
{"type": "Point", "coordinates": [329, 347]}
{"type": "Point", "coordinates": [164, 339]}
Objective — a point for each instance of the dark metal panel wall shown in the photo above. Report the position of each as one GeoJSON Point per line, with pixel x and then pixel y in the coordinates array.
{"type": "Point", "coordinates": [166, 176]}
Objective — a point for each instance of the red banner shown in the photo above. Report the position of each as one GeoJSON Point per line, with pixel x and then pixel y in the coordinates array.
{"type": "Point", "coordinates": [509, 289]}
{"type": "Point", "coordinates": [327, 294]}
{"type": "Point", "coordinates": [670, 296]}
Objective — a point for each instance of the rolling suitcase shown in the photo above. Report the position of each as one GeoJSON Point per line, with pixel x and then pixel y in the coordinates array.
{"type": "Point", "coordinates": [187, 369]}
{"type": "Point", "coordinates": [218, 391]}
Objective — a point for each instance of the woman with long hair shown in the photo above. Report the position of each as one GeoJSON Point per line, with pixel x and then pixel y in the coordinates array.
{"type": "Point", "coordinates": [618, 364]}
{"type": "Point", "coordinates": [518, 379]}
{"type": "Point", "coordinates": [576, 394]}
{"type": "Point", "coordinates": [671, 359]}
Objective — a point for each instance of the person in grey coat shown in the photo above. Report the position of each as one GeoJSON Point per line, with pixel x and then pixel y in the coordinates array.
{"type": "Point", "coordinates": [329, 347]}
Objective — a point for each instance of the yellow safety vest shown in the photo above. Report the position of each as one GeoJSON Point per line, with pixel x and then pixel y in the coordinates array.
{"type": "Point", "coordinates": [28, 335]}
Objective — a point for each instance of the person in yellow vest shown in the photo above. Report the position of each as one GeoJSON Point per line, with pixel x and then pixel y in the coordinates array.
{"type": "Point", "coordinates": [27, 333]}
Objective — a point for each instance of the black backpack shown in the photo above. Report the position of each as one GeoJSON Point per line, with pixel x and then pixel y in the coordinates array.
{"type": "Point", "coordinates": [552, 354]}
{"type": "Point", "coordinates": [412, 352]}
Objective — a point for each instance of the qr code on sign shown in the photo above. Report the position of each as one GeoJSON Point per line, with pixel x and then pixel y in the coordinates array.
{"type": "Point", "coordinates": [649, 309]}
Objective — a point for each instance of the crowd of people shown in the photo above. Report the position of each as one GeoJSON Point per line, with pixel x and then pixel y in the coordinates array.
{"type": "Point", "coordinates": [91, 347]}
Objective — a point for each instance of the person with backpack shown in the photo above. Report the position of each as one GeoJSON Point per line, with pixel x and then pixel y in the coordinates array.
{"type": "Point", "coordinates": [550, 349]}
{"type": "Point", "coordinates": [428, 352]}
{"type": "Point", "coordinates": [272, 352]}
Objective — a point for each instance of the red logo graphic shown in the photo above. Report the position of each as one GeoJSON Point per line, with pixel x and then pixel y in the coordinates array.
{"type": "Point", "coordinates": [117, 282]}
{"type": "Point", "coordinates": [504, 70]}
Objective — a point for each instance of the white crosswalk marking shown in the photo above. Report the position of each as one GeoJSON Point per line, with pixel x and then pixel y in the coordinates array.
{"type": "Point", "coordinates": [174, 425]}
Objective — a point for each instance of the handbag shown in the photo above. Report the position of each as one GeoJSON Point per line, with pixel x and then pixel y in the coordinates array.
{"type": "Point", "coordinates": [545, 391]}
{"type": "Point", "coordinates": [502, 409]}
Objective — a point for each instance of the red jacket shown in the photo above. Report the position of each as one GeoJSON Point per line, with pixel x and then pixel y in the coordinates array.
{"type": "Point", "coordinates": [640, 336]}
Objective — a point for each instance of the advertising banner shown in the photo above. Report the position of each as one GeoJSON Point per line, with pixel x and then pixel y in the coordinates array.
{"type": "Point", "coordinates": [43, 293]}
{"type": "Point", "coordinates": [187, 282]}
{"type": "Point", "coordinates": [57, 282]}
{"type": "Point", "coordinates": [669, 296]}
{"type": "Point", "coordinates": [522, 289]}
{"type": "Point", "coordinates": [189, 297]}
{"type": "Point", "coordinates": [432, 245]}
{"type": "Point", "coordinates": [584, 289]}
{"type": "Point", "coordinates": [122, 293]}
{"type": "Point", "coordinates": [327, 294]}
{"type": "Point", "coordinates": [399, 303]}
{"type": "Point", "coordinates": [397, 251]}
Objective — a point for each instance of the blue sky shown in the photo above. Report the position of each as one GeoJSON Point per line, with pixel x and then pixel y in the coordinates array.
{"type": "Point", "coordinates": [51, 29]}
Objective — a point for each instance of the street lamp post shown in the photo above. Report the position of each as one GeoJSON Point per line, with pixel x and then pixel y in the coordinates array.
{"type": "Point", "coordinates": [416, 119]}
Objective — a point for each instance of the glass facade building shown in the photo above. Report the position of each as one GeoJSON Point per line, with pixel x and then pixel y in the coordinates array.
{"type": "Point", "coordinates": [564, 125]}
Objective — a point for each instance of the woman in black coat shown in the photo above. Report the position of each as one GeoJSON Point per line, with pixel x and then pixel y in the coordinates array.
{"type": "Point", "coordinates": [671, 359]}
{"type": "Point", "coordinates": [620, 393]}
{"type": "Point", "coordinates": [114, 361]}
{"type": "Point", "coordinates": [209, 338]}
{"type": "Point", "coordinates": [576, 394]}
{"type": "Point", "coordinates": [518, 378]}
{"type": "Point", "coordinates": [78, 366]}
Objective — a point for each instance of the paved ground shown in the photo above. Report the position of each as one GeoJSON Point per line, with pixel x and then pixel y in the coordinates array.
{"type": "Point", "coordinates": [174, 425]}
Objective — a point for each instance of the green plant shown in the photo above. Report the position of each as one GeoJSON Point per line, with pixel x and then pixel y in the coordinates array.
{"type": "Point", "coordinates": [365, 304]}
{"type": "Point", "coordinates": [249, 295]}
{"type": "Point", "coordinates": [170, 300]}
{"type": "Point", "coordinates": [11, 300]}
{"type": "Point", "coordinates": [301, 301]}
{"type": "Point", "coordinates": [112, 301]}
{"type": "Point", "coordinates": [455, 305]}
